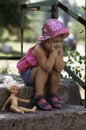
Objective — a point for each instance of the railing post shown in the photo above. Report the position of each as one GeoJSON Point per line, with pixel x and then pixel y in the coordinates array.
{"type": "Point", "coordinates": [85, 58]}
{"type": "Point", "coordinates": [85, 96]}
{"type": "Point", "coordinates": [54, 11]}
{"type": "Point", "coordinates": [22, 30]}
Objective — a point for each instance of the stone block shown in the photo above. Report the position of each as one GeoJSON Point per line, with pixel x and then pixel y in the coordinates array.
{"type": "Point", "coordinates": [70, 117]}
{"type": "Point", "coordinates": [68, 92]}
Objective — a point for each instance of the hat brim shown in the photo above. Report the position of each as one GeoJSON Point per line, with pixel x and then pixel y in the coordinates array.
{"type": "Point", "coordinates": [63, 31]}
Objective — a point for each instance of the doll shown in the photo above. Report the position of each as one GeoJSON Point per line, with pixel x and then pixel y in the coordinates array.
{"type": "Point", "coordinates": [12, 87]}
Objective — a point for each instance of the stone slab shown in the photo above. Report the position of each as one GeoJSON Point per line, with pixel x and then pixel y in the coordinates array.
{"type": "Point", "coordinates": [68, 92]}
{"type": "Point", "coordinates": [70, 117]}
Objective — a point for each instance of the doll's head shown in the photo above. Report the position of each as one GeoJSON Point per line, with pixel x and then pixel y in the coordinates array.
{"type": "Point", "coordinates": [11, 84]}
{"type": "Point", "coordinates": [13, 89]}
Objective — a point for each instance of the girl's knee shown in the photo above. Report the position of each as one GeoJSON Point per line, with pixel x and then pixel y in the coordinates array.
{"type": "Point", "coordinates": [43, 71]}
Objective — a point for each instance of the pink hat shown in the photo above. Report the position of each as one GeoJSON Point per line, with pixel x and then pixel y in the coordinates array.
{"type": "Point", "coordinates": [53, 28]}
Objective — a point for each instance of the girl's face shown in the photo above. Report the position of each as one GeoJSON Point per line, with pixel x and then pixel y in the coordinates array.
{"type": "Point", "coordinates": [57, 42]}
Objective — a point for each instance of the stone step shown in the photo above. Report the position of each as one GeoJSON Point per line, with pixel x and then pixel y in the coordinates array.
{"type": "Point", "coordinates": [70, 117]}
{"type": "Point", "coordinates": [68, 92]}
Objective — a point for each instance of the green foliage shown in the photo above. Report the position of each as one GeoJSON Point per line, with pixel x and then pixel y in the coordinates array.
{"type": "Point", "coordinates": [10, 13]}
{"type": "Point", "coordinates": [74, 60]}
{"type": "Point", "coordinates": [5, 68]}
{"type": "Point", "coordinates": [32, 25]}
{"type": "Point", "coordinates": [29, 36]}
{"type": "Point", "coordinates": [10, 20]}
{"type": "Point", "coordinates": [78, 31]}
{"type": "Point", "coordinates": [84, 7]}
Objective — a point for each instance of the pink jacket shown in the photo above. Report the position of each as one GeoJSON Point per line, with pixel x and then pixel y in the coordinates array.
{"type": "Point", "coordinates": [29, 60]}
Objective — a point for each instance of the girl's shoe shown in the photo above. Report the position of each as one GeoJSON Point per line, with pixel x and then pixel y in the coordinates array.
{"type": "Point", "coordinates": [53, 100]}
{"type": "Point", "coordinates": [42, 104]}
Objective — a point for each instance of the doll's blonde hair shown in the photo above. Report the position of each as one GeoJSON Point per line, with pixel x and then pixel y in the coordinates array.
{"type": "Point", "coordinates": [9, 82]}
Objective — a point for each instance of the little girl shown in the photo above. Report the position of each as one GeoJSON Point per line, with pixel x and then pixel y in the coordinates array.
{"type": "Point", "coordinates": [43, 64]}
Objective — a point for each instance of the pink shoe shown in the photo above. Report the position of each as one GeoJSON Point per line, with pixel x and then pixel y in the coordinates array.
{"type": "Point", "coordinates": [42, 104]}
{"type": "Point", "coordinates": [53, 100]}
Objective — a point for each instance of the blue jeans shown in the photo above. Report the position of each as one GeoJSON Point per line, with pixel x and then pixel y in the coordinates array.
{"type": "Point", "coordinates": [26, 75]}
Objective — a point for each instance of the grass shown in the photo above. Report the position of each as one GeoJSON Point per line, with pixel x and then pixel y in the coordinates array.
{"type": "Point", "coordinates": [16, 48]}
{"type": "Point", "coordinates": [10, 65]}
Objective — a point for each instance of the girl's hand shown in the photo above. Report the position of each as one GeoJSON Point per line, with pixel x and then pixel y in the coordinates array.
{"type": "Point", "coordinates": [60, 51]}
{"type": "Point", "coordinates": [49, 47]}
